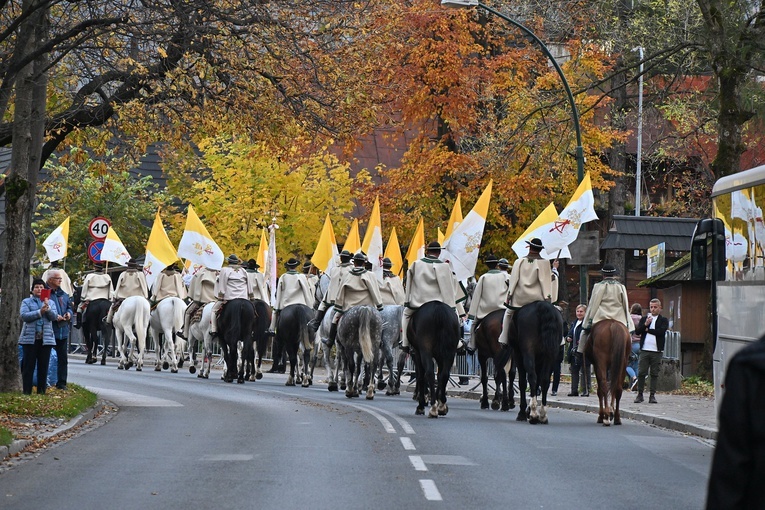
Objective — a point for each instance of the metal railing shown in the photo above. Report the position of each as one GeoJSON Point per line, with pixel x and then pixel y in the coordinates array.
{"type": "Point", "coordinates": [672, 345]}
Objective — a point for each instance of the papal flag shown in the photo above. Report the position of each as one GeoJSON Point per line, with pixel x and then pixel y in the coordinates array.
{"type": "Point", "coordinates": [462, 246]}
{"type": "Point", "coordinates": [544, 222]}
{"type": "Point", "coordinates": [160, 252]}
{"type": "Point", "coordinates": [271, 261]}
{"type": "Point", "coordinates": [393, 252]}
{"type": "Point", "coordinates": [114, 250]}
{"type": "Point", "coordinates": [353, 241]}
{"type": "Point", "coordinates": [57, 242]}
{"type": "Point", "coordinates": [325, 254]}
{"type": "Point", "coordinates": [262, 250]}
{"type": "Point", "coordinates": [373, 242]}
{"type": "Point", "coordinates": [441, 236]}
{"type": "Point", "coordinates": [455, 219]}
{"type": "Point", "coordinates": [197, 244]}
{"type": "Point", "coordinates": [417, 245]}
{"type": "Point", "coordinates": [580, 210]}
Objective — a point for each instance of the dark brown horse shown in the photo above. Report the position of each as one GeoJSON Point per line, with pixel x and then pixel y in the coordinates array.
{"type": "Point", "coordinates": [609, 349]}
{"type": "Point", "coordinates": [488, 346]}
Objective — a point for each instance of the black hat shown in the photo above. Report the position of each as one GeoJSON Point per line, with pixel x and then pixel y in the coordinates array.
{"type": "Point", "coordinates": [233, 259]}
{"type": "Point", "coordinates": [387, 263]}
{"type": "Point", "coordinates": [359, 257]}
{"type": "Point", "coordinates": [491, 259]}
{"type": "Point", "coordinates": [434, 246]}
{"type": "Point", "coordinates": [504, 263]}
{"type": "Point", "coordinates": [368, 265]}
{"type": "Point", "coordinates": [292, 263]}
{"type": "Point", "coordinates": [536, 244]}
{"type": "Point", "coordinates": [307, 265]}
{"type": "Point", "coordinates": [608, 270]}
{"type": "Point", "coordinates": [132, 263]}
{"type": "Point", "coordinates": [252, 264]}
{"type": "Point", "coordinates": [345, 255]}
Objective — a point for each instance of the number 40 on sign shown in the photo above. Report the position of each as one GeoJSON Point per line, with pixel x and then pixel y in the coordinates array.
{"type": "Point", "coordinates": [99, 227]}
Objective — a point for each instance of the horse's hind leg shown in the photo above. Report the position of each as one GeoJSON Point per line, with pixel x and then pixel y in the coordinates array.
{"type": "Point", "coordinates": [443, 380]}
{"type": "Point", "coordinates": [306, 368]}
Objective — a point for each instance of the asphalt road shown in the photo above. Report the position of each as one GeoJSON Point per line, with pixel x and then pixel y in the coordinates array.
{"type": "Point", "coordinates": [180, 442]}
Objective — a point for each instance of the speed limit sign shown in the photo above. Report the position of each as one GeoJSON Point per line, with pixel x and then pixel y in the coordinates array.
{"type": "Point", "coordinates": [99, 227]}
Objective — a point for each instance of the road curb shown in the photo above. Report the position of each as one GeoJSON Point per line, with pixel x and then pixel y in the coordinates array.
{"type": "Point", "coordinates": [659, 421]}
{"type": "Point", "coordinates": [19, 444]}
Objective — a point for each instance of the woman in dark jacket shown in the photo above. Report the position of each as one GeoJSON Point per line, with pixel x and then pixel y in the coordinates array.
{"type": "Point", "coordinates": [36, 338]}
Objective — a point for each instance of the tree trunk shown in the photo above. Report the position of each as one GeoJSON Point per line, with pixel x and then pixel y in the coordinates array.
{"type": "Point", "coordinates": [20, 190]}
{"type": "Point", "coordinates": [730, 122]}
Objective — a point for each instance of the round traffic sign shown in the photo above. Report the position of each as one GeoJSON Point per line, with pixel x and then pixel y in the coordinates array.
{"type": "Point", "coordinates": [99, 227]}
{"type": "Point", "coordinates": [94, 250]}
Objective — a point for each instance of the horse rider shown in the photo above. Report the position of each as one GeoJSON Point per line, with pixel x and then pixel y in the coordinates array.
{"type": "Point", "coordinates": [391, 288]}
{"type": "Point", "coordinates": [504, 266]}
{"type": "Point", "coordinates": [427, 279]}
{"type": "Point", "coordinates": [312, 278]}
{"type": "Point", "coordinates": [531, 280]}
{"type": "Point", "coordinates": [66, 282]}
{"type": "Point", "coordinates": [132, 282]}
{"type": "Point", "coordinates": [489, 295]}
{"type": "Point", "coordinates": [336, 275]}
{"type": "Point", "coordinates": [232, 283]}
{"type": "Point", "coordinates": [292, 288]}
{"type": "Point", "coordinates": [359, 287]}
{"type": "Point", "coordinates": [169, 283]}
{"type": "Point", "coordinates": [97, 285]}
{"type": "Point", "coordinates": [258, 282]}
{"type": "Point", "coordinates": [201, 292]}
{"type": "Point", "coordinates": [608, 301]}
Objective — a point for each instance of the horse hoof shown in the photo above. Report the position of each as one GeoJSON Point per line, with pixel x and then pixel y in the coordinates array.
{"type": "Point", "coordinates": [484, 404]}
{"type": "Point", "coordinates": [192, 369]}
{"type": "Point", "coordinates": [617, 421]}
{"type": "Point", "coordinates": [240, 380]}
{"type": "Point", "coordinates": [433, 413]}
{"type": "Point", "coordinates": [521, 417]}
{"type": "Point", "coordinates": [289, 383]}
{"type": "Point", "coordinates": [494, 405]}
{"type": "Point", "coordinates": [348, 394]}
{"type": "Point", "coordinates": [128, 365]}
{"type": "Point", "coordinates": [533, 420]}
{"type": "Point", "coordinates": [420, 411]}
{"type": "Point", "coordinates": [201, 375]}
{"type": "Point", "coordinates": [174, 371]}
{"type": "Point", "coordinates": [103, 362]}
{"type": "Point", "coordinates": [165, 365]}
{"type": "Point", "coordinates": [259, 376]}
{"type": "Point", "coordinates": [139, 369]}
{"type": "Point", "coordinates": [506, 407]}
{"type": "Point", "coordinates": [600, 419]}
{"type": "Point", "coordinates": [343, 386]}
{"type": "Point", "coordinates": [606, 423]}
{"type": "Point", "coordinates": [207, 376]}
{"type": "Point", "coordinates": [120, 367]}
{"type": "Point", "coordinates": [305, 383]}
{"type": "Point", "coordinates": [381, 385]}
{"type": "Point", "coordinates": [180, 363]}
{"type": "Point", "coordinates": [332, 387]}
{"type": "Point", "coordinates": [443, 410]}
{"type": "Point", "coordinates": [157, 368]}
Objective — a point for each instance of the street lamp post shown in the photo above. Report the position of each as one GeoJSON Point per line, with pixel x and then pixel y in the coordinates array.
{"type": "Point", "coordinates": [569, 95]}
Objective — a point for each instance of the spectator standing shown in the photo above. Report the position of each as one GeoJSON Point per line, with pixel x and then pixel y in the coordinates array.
{"type": "Point", "coordinates": [652, 328]}
{"type": "Point", "coordinates": [36, 338]}
{"type": "Point", "coordinates": [61, 326]}
{"type": "Point", "coordinates": [636, 313]}
{"type": "Point", "coordinates": [578, 369]}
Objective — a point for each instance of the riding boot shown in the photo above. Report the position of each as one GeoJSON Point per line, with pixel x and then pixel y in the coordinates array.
{"type": "Point", "coordinates": [332, 334]}
{"type": "Point", "coordinates": [315, 323]}
{"type": "Point", "coordinates": [506, 320]}
{"type": "Point", "coordinates": [78, 320]}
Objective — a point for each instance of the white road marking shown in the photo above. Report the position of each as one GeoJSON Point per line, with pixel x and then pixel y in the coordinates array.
{"type": "Point", "coordinates": [430, 490]}
{"type": "Point", "coordinates": [384, 421]}
{"type": "Point", "coordinates": [225, 458]}
{"type": "Point", "coordinates": [129, 399]}
{"type": "Point", "coordinates": [402, 422]}
{"type": "Point", "coordinates": [417, 462]}
{"type": "Point", "coordinates": [407, 442]}
{"type": "Point", "coordinates": [447, 460]}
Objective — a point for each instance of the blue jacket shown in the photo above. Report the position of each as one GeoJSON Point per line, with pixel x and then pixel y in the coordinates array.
{"type": "Point", "coordinates": [30, 313]}
{"type": "Point", "coordinates": [63, 305]}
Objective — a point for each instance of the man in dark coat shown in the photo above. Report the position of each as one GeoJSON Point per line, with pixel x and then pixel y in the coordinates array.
{"type": "Point", "coordinates": [738, 466]}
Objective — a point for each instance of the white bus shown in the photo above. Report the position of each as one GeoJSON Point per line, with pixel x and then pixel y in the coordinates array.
{"type": "Point", "coordinates": [739, 305]}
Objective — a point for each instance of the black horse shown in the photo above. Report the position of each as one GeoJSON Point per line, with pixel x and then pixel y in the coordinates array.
{"type": "Point", "coordinates": [488, 347]}
{"type": "Point", "coordinates": [535, 334]}
{"type": "Point", "coordinates": [234, 326]}
{"type": "Point", "coordinates": [262, 320]}
{"type": "Point", "coordinates": [433, 333]}
{"type": "Point", "coordinates": [93, 324]}
{"type": "Point", "coordinates": [292, 330]}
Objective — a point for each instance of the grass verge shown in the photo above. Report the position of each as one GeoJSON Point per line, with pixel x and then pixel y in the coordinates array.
{"type": "Point", "coordinates": [54, 404]}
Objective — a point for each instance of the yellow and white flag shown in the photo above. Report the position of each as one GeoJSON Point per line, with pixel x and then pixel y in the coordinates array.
{"type": "Point", "coordinates": [580, 210]}
{"type": "Point", "coordinates": [114, 250]}
{"type": "Point", "coordinates": [441, 236]}
{"type": "Point", "coordinates": [462, 246]}
{"type": "Point", "coordinates": [57, 242]}
{"type": "Point", "coordinates": [393, 252]}
{"type": "Point", "coordinates": [353, 241]}
{"type": "Point", "coordinates": [263, 250]}
{"type": "Point", "coordinates": [325, 255]}
{"type": "Point", "coordinates": [417, 245]}
{"type": "Point", "coordinates": [545, 221]}
{"type": "Point", "coordinates": [373, 242]}
{"type": "Point", "coordinates": [160, 252]}
{"type": "Point", "coordinates": [197, 245]}
{"type": "Point", "coordinates": [454, 220]}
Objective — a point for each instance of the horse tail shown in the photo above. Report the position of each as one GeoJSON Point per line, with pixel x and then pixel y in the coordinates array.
{"type": "Point", "coordinates": [620, 347]}
{"type": "Point", "coordinates": [178, 311]}
{"type": "Point", "coordinates": [141, 315]}
{"type": "Point", "coordinates": [550, 321]}
{"type": "Point", "coordinates": [366, 316]}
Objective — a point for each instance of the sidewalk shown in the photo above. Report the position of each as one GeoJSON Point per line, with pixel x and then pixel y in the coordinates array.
{"type": "Point", "coordinates": [686, 414]}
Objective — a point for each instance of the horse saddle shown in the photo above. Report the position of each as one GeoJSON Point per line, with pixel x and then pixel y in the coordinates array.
{"type": "Point", "coordinates": [197, 315]}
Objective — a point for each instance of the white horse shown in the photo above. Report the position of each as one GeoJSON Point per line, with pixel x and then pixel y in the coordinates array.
{"type": "Point", "coordinates": [167, 319]}
{"type": "Point", "coordinates": [333, 366]}
{"type": "Point", "coordinates": [199, 334]}
{"type": "Point", "coordinates": [130, 324]}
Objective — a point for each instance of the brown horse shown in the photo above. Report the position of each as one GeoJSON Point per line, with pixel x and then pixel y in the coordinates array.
{"type": "Point", "coordinates": [488, 346]}
{"type": "Point", "coordinates": [609, 349]}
